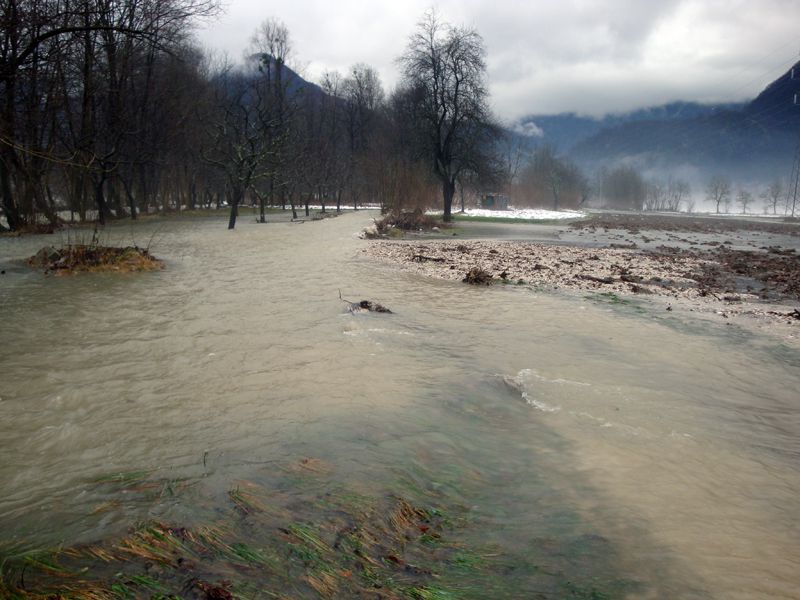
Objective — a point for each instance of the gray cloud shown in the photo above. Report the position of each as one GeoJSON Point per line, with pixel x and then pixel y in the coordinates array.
{"type": "Point", "coordinates": [586, 56]}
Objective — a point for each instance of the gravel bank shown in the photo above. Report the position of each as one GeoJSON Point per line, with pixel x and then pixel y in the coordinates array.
{"type": "Point", "coordinates": [704, 281]}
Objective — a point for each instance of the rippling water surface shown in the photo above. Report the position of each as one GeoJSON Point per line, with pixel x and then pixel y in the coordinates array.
{"type": "Point", "coordinates": [654, 456]}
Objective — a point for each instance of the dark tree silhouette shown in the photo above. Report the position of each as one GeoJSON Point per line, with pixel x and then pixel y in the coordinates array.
{"type": "Point", "coordinates": [444, 69]}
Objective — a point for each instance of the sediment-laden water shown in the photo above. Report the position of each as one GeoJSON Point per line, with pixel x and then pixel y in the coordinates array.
{"type": "Point", "coordinates": [587, 450]}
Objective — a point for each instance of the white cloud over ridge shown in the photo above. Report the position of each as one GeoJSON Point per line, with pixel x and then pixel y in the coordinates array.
{"type": "Point", "coordinates": [528, 129]}
{"type": "Point", "coordinates": [586, 56]}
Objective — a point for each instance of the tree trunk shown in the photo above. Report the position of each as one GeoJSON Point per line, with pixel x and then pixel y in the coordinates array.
{"type": "Point", "coordinates": [43, 198]}
{"type": "Point", "coordinates": [103, 212]}
{"type": "Point", "coordinates": [8, 158]}
{"type": "Point", "coordinates": [236, 197]}
{"type": "Point", "coordinates": [114, 198]}
{"type": "Point", "coordinates": [80, 196]}
{"type": "Point", "coordinates": [262, 212]}
{"type": "Point", "coordinates": [448, 191]}
{"type": "Point", "coordinates": [10, 209]}
{"type": "Point", "coordinates": [131, 200]}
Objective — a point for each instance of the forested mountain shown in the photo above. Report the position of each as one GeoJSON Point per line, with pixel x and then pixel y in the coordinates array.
{"type": "Point", "coordinates": [564, 131]}
{"type": "Point", "coordinates": [755, 140]}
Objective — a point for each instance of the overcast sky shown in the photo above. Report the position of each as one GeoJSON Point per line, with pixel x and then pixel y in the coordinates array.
{"type": "Point", "coordinates": [551, 56]}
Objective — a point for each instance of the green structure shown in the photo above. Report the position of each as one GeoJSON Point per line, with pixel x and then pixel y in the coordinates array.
{"type": "Point", "coordinates": [494, 201]}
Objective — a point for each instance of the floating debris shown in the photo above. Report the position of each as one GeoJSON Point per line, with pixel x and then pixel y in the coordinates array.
{"type": "Point", "coordinates": [364, 306]}
{"type": "Point", "coordinates": [477, 276]}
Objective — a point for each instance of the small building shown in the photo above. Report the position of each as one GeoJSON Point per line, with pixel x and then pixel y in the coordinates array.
{"type": "Point", "coordinates": [494, 201]}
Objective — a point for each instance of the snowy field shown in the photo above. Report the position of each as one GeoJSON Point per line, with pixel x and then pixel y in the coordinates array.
{"type": "Point", "coordinates": [748, 215]}
{"type": "Point", "coordinates": [521, 213]}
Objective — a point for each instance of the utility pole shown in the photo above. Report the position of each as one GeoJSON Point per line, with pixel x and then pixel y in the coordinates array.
{"type": "Point", "coordinates": [794, 178]}
{"type": "Point", "coordinates": [794, 182]}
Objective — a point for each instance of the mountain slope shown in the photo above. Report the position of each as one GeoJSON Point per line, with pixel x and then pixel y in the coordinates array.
{"type": "Point", "coordinates": [753, 141]}
{"type": "Point", "coordinates": [566, 130]}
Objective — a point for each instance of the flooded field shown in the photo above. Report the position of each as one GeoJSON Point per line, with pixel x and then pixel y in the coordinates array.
{"type": "Point", "coordinates": [226, 426]}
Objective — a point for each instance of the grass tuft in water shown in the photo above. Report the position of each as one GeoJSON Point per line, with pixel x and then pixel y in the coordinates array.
{"type": "Point", "coordinates": [430, 593]}
{"type": "Point", "coordinates": [246, 502]}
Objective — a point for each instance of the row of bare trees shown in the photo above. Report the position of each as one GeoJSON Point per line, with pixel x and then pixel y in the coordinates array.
{"type": "Point", "coordinates": [626, 188]}
{"type": "Point", "coordinates": [93, 96]}
{"type": "Point", "coordinates": [108, 109]}
{"type": "Point", "coordinates": [775, 197]}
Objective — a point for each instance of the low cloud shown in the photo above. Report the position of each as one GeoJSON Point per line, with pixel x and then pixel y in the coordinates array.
{"type": "Point", "coordinates": [528, 129]}
{"type": "Point", "coordinates": [591, 58]}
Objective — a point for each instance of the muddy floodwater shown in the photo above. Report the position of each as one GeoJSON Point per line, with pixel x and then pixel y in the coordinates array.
{"type": "Point", "coordinates": [584, 449]}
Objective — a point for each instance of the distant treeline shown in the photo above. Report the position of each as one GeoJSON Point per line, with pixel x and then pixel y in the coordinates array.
{"type": "Point", "coordinates": [108, 108]}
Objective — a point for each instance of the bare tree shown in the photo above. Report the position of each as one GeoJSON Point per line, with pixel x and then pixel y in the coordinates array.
{"type": "Point", "coordinates": [242, 129]}
{"type": "Point", "coordinates": [278, 105]}
{"type": "Point", "coordinates": [363, 94]}
{"type": "Point", "coordinates": [552, 180]}
{"type": "Point", "coordinates": [512, 155]}
{"type": "Point", "coordinates": [718, 192]}
{"type": "Point", "coordinates": [677, 191]}
{"type": "Point", "coordinates": [623, 187]}
{"type": "Point", "coordinates": [326, 157]}
{"type": "Point", "coordinates": [744, 198]}
{"type": "Point", "coordinates": [80, 58]}
{"type": "Point", "coordinates": [271, 38]}
{"type": "Point", "coordinates": [656, 196]}
{"type": "Point", "coordinates": [772, 196]}
{"type": "Point", "coordinates": [444, 69]}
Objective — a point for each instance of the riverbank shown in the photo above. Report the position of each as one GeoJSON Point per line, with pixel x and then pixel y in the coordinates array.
{"type": "Point", "coordinates": [762, 285]}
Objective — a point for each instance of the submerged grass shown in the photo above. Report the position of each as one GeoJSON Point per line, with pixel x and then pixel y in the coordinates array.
{"type": "Point", "coordinates": [124, 478]}
{"type": "Point", "coordinates": [608, 298]}
{"type": "Point", "coordinates": [356, 545]}
{"type": "Point", "coordinates": [321, 542]}
{"type": "Point", "coordinates": [430, 593]}
{"type": "Point", "coordinates": [616, 301]}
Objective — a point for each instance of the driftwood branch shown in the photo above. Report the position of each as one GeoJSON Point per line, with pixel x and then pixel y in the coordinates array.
{"type": "Point", "coordinates": [605, 280]}
{"type": "Point", "coordinates": [363, 305]}
{"type": "Point", "coordinates": [423, 258]}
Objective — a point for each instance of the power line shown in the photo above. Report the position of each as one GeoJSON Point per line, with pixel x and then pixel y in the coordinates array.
{"type": "Point", "coordinates": [794, 178]}
{"type": "Point", "coordinates": [69, 162]}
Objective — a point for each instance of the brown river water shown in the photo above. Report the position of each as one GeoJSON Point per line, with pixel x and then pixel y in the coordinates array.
{"type": "Point", "coordinates": [617, 447]}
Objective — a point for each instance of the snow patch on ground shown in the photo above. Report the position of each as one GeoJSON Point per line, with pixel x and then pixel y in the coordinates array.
{"type": "Point", "coordinates": [749, 215]}
{"type": "Point", "coordinates": [522, 213]}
